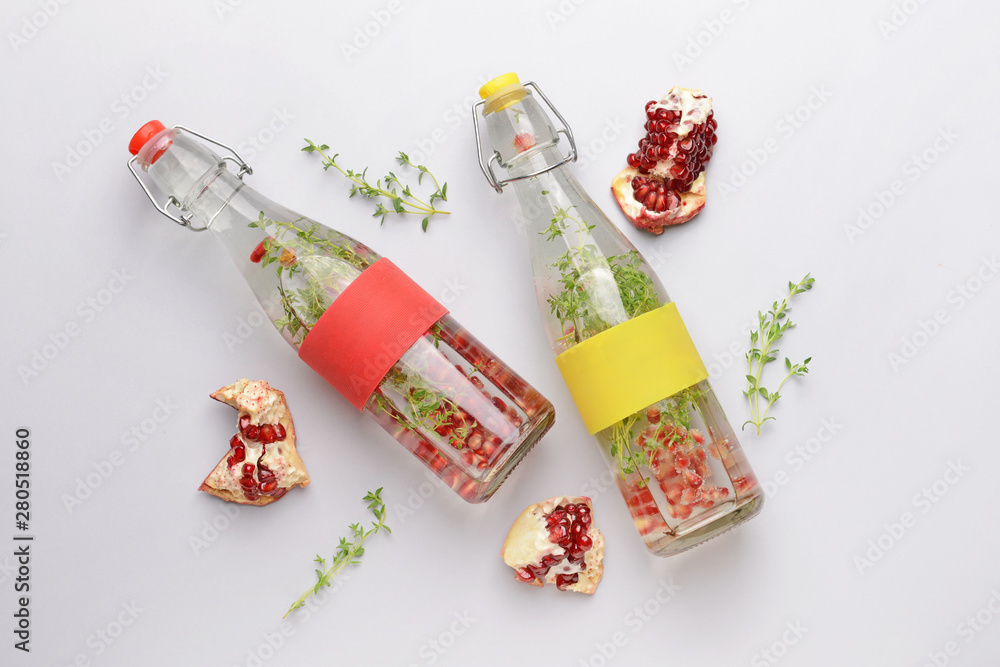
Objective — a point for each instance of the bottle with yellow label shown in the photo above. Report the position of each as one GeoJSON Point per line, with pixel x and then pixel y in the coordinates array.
{"type": "Point", "coordinates": [627, 359]}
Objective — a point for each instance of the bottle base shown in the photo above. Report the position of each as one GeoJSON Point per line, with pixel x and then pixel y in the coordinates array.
{"type": "Point", "coordinates": [692, 533]}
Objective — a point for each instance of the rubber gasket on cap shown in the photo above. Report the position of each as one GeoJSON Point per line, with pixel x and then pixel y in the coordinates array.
{"type": "Point", "coordinates": [366, 330]}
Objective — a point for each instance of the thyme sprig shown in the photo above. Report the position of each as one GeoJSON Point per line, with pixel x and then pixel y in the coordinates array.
{"type": "Point", "coordinates": [302, 307]}
{"type": "Point", "coordinates": [772, 327]}
{"type": "Point", "coordinates": [401, 197]}
{"type": "Point", "coordinates": [429, 407]}
{"type": "Point", "coordinates": [573, 303]}
{"type": "Point", "coordinates": [348, 552]}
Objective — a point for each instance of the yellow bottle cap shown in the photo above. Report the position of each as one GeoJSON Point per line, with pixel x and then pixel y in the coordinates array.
{"type": "Point", "coordinates": [502, 81]}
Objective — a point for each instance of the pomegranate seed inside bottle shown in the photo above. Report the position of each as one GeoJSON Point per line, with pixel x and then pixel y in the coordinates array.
{"type": "Point", "coordinates": [258, 253]}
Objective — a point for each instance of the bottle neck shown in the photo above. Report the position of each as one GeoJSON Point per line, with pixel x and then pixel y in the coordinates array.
{"type": "Point", "coordinates": [218, 191]}
{"type": "Point", "coordinates": [588, 277]}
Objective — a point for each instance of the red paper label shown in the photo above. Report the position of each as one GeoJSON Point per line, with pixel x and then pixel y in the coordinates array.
{"type": "Point", "coordinates": [377, 318]}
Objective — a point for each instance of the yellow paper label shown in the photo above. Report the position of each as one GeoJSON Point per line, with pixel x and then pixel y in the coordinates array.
{"type": "Point", "coordinates": [631, 366]}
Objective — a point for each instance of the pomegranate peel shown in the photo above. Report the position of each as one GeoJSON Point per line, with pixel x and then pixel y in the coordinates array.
{"type": "Point", "coordinates": [262, 463]}
{"type": "Point", "coordinates": [664, 183]}
{"type": "Point", "coordinates": [556, 541]}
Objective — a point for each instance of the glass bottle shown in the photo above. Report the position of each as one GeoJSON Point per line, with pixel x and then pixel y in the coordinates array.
{"type": "Point", "coordinates": [675, 457]}
{"type": "Point", "coordinates": [446, 398]}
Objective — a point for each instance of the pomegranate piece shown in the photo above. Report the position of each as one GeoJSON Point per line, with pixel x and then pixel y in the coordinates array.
{"type": "Point", "coordinates": [262, 462]}
{"type": "Point", "coordinates": [556, 541]}
{"type": "Point", "coordinates": [664, 183]}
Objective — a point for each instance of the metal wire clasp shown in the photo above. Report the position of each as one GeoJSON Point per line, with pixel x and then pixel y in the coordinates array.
{"type": "Point", "coordinates": [487, 165]}
{"type": "Point", "coordinates": [185, 220]}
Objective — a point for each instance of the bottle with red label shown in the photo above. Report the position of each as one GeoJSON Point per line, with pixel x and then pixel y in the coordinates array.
{"type": "Point", "coordinates": [354, 317]}
{"type": "Point", "coordinates": [621, 346]}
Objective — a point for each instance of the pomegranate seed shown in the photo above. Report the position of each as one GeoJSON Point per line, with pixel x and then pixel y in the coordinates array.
{"type": "Point", "coordinates": [233, 441]}
{"type": "Point", "coordinates": [524, 574]}
{"type": "Point", "coordinates": [524, 141]}
{"type": "Point", "coordinates": [279, 432]}
{"type": "Point", "coordinates": [252, 432]}
{"type": "Point", "coordinates": [258, 253]}
{"type": "Point", "coordinates": [268, 487]}
{"type": "Point", "coordinates": [584, 542]}
{"type": "Point", "coordinates": [672, 491]}
{"type": "Point", "coordinates": [268, 434]}
{"type": "Point", "coordinates": [500, 405]}
{"type": "Point", "coordinates": [690, 496]}
{"type": "Point", "coordinates": [744, 483]}
{"type": "Point", "coordinates": [681, 511]}
{"type": "Point", "coordinates": [633, 160]}
{"type": "Point", "coordinates": [247, 482]}
{"type": "Point", "coordinates": [564, 580]}
{"type": "Point", "coordinates": [691, 478]}
{"type": "Point", "coordinates": [239, 454]}
{"type": "Point", "coordinates": [248, 469]}
{"type": "Point", "coordinates": [244, 423]}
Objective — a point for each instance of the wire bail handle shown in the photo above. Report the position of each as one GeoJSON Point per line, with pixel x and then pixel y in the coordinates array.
{"type": "Point", "coordinates": [487, 166]}
{"type": "Point", "coordinates": [185, 220]}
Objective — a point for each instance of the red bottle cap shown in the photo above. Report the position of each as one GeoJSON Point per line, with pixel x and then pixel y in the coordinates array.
{"type": "Point", "coordinates": [145, 133]}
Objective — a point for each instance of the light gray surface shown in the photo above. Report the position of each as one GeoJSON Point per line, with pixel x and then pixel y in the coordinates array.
{"type": "Point", "coordinates": [279, 73]}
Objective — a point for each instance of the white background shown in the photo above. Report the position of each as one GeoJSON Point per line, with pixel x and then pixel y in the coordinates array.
{"type": "Point", "coordinates": [870, 97]}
